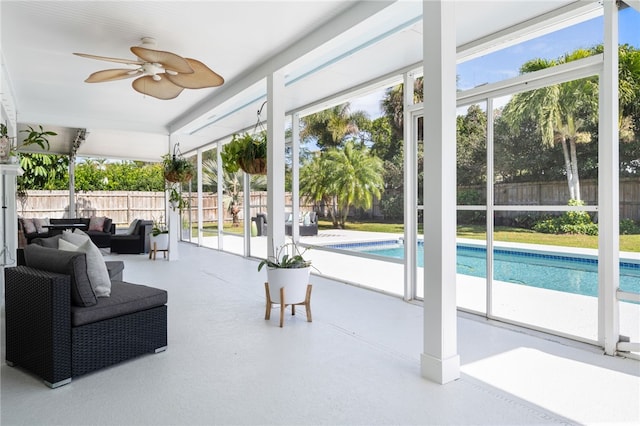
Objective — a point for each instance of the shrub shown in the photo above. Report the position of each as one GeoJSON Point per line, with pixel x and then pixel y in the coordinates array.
{"type": "Point", "coordinates": [526, 221]}
{"type": "Point", "coordinates": [573, 222]}
{"type": "Point", "coordinates": [467, 197]}
{"type": "Point", "coordinates": [629, 227]}
{"type": "Point", "coordinates": [392, 206]}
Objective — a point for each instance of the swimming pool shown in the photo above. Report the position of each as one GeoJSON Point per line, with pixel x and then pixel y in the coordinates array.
{"type": "Point", "coordinates": [571, 274]}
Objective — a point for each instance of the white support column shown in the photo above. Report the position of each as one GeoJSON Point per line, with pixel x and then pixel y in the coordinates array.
{"type": "Point", "coordinates": [440, 361]}
{"type": "Point", "coordinates": [489, 221]}
{"type": "Point", "coordinates": [220, 197]}
{"type": "Point", "coordinates": [200, 211]}
{"type": "Point", "coordinates": [410, 192]}
{"type": "Point", "coordinates": [608, 187]}
{"type": "Point", "coordinates": [295, 175]}
{"type": "Point", "coordinates": [275, 161]}
{"type": "Point", "coordinates": [174, 232]}
{"type": "Point", "coordinates": [8, 218]}
{"type": "Point", "coordinates": [8, 214]}
{"type": "Point", "coordinates": [173, 223]}
{"type": "Point", "coordinates": [246, 213]}
{"type": "Point", "coordinates": [72, 186]}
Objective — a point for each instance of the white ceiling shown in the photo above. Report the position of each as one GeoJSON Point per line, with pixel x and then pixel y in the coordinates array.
{"type": "Point", "coordinates": [322, 47]}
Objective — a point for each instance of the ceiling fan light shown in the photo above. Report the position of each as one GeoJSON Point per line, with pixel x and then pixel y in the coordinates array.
{"type": "Point", "coordinates": [156, 77]}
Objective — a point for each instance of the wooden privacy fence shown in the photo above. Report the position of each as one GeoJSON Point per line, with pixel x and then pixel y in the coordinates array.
{"type": "Point", "coordinates": [557, 194]}
{"type": "Point", "coordinates": [124, 206]}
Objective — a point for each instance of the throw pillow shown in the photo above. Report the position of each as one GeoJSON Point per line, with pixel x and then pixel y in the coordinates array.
{"type": "Point", "coordinates": [40, 225]}
{"type": "Point", "coordinates": [28, 226]}
{"type": "Point", "coordinates": [96, 223]}
{"type": "Point", "coordinates": [69, 263]}
{"type": "Point", "coordinates": [66, 245]}
{"type": "Point", "coordinates": [51, 242]}
{"type": "Point", "coordinates": [96, 268]}
{"type": "Point", "coordinates": [132, 227]}
{"type": "Point", "coordinates": [107, 225]}
{"type": "Point", "coordinates": [80, 232]}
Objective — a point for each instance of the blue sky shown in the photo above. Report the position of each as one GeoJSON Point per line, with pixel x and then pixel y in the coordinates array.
{"type": "Point", "coordinates": [506, 63]}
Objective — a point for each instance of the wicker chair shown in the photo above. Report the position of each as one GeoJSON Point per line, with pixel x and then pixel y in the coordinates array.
{"type": "Point", "coordinates": [135, 243]}
{"type": "Point", "coordinates": [51, 337]}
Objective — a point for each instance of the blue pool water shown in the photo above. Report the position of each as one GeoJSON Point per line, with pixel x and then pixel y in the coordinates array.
{"type": "Point", "coordinates": [545, 270]}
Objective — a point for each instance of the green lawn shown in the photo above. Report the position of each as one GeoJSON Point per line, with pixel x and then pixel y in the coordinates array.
{"type": "Point", "coordinates": [629, 243]}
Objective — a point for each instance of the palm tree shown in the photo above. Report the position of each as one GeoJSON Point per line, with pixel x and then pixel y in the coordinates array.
{"type": "Point", "coordinates": [316, 183]}
{"type": "Point", "coordinates": [393, 105]}
{"type": "Point", "coordinates": [561, 111]}
{"type": "Point", "coordinates": [231, 185]}
{"type": "Point", "coordinates": [333, 126]}
{"type": "Point", "coordinates": [343, 178]}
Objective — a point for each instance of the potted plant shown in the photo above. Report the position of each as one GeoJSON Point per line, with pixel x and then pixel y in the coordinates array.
{"type": "Point", "coordinates": [287, 269]}
{"type": "Point", "coordinates": [247, 152]}
{"type": "Point", "coordinates": [176, 167]}
{"type": "Point", "coordinates": [35, 137]}
{"type": "Point", "coordinates": [159, 238]}
{"type": "Point", "coordinates": [5, 144]}
{"type": "Point", "coordinates": [176, 200]}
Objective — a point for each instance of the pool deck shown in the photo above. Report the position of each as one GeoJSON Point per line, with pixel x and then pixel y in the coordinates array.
{"type": "Point", "coordinates": [570, 314]}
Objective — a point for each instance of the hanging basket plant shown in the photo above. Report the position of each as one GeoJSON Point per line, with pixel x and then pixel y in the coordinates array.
{"type": "Point", "coordinates": [246, 152]}
{"type": "Point", "coordinates": [177, 168]}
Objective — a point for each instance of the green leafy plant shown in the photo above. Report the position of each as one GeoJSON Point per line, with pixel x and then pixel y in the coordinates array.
{"type": "Point", "coordinates": [176, 200]}
{"type": "Point", "coordinates": [571, 222]}
{"type": "Point", "coordinates": [36, 137]}
{"type": "Point", "coordinates": [246, 152]}
{"type": "Point", "coordinates": [287, 256]}
{"type": "Point", "coordinates": [159, 228]}
{"type": "Point", "coordinates": [177, 168]}
{"type": "Point", "coordinates": [629, 227]}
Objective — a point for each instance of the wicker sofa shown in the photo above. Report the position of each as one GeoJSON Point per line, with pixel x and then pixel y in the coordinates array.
{"type": "Point", "coordinates": [101, 238]}
{"type": "Point", "coordinates": [50, 331]}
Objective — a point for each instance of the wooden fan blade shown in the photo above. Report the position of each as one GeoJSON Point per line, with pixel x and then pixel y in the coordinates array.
{"type": "Point", "coordinates": [161, 89]}
{"type": "Point", "coordinates": [110, 75]}
{"type": "Point", "coordinates": [169, 60]}
{"type": "Point", "coordinates": [104, 58]}
{"type": "Point", "coordinates": [202, 76]}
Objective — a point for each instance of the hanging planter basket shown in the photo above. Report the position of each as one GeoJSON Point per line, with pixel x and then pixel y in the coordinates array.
{"type": "Point", "coordinates": [247, 152]}
{"type": "Point", "coordinates": [177, 176]}
{"type": "Point", "coordinates": [257, 166]}
{"type": "Point", "coordinates": [177, 169]}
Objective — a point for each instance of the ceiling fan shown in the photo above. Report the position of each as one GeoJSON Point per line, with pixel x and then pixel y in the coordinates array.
{"type": "Point", "coordinates": [161, 74]}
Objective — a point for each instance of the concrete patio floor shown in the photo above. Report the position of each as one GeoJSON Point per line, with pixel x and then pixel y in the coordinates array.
{"type": "Point", "coordinates": [570, 314]}
{"type": "Point", "coordinates": [356, 363]}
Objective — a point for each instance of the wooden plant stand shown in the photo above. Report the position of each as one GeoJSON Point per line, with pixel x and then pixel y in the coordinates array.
{"type": "Point", "coordinates": [283, 304]}
{"type": "Point", "coordinates": [154, 250]}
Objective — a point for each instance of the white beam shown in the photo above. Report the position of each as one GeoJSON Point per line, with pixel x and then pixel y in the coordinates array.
{"type": "Point", "coordinates": [634, 4]}
{"type": "Point", "coordinates": [410, 191]}
{"type": "Point", "coordinates": [220, 194]}
{"type": "Point", "coordinates": [339, 24]}
{"type": "Point", "coordinates": [608, 187]}
{"type": "Point", "coordinates": [275, 161]}
{"type": "Point", "coordinates": [440, 361]}
{"type": "Point", "coordinates": [200, 199]}
{"type": "Point", "coordinates": [295, 176]}
{"type": "Point", "coordinates": [571, 14]}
